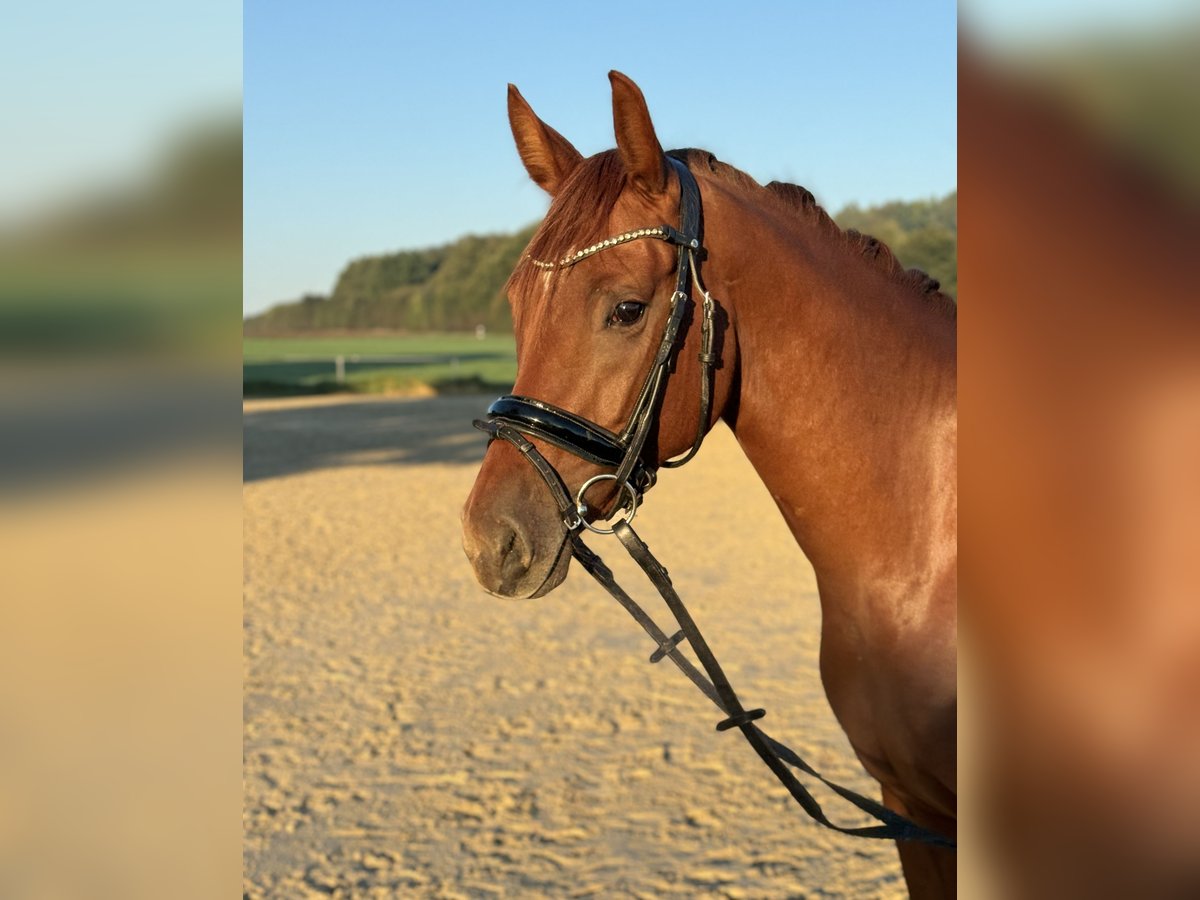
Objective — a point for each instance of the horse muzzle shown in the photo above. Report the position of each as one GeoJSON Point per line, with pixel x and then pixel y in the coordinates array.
{"type": "Point", "coordinates": [516, 549]}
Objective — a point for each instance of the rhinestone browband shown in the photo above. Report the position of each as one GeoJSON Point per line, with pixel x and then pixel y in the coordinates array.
{"type": "Point", "coordinates": [660, 232]}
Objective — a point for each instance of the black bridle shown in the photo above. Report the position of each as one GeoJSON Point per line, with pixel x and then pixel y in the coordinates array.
{"type": "Point", "coordinates": [623, 452]}
{"type": "Point", "coordinates": [514, 419]}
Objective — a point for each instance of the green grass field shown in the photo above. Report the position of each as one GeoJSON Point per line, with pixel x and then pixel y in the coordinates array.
{"type": "Point", "coordinates": [445, 363]}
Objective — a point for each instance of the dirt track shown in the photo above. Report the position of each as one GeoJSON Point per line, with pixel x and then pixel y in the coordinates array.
{"type": "Point", "coordinates": [406, 734]}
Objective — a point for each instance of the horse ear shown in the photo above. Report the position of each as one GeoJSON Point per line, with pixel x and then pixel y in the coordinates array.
{"type": "Point", "coordinates": [636, 141]}
{"type": "Point", "coordinates": [548, 156]}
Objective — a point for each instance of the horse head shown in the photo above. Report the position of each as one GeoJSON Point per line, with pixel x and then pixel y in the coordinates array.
{"type": "Point", "coordinates": [589, 326]}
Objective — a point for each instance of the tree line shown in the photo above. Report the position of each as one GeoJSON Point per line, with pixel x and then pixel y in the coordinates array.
{"type": "Point", "coordinates": [457, 286]}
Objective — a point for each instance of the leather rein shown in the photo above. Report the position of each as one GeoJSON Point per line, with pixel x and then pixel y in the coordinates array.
{"type": "Point", "coordinates": [514, 419]}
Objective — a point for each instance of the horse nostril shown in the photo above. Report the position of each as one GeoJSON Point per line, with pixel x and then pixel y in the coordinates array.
{"type": "Point", "coordinates": [516, 554]}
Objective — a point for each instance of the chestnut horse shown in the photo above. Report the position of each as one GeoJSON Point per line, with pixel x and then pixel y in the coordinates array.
{"type": "Point", "coordinates": [837, 375]}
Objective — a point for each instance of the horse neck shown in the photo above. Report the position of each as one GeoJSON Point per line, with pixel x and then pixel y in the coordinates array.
{"type": "Point", "coordinates": [846, 394]}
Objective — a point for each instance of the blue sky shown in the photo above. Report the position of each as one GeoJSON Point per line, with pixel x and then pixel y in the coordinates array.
{"type": "Point", "coordinates": [375, 126]}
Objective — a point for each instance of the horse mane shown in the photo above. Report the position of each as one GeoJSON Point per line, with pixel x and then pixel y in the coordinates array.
{"type": "Point", "coordinates": [579, 214]}
{"type": "Point", "coordinates": [800, 201]}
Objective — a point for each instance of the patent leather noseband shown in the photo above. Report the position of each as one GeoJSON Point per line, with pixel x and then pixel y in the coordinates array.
{"type": "Point", "coordinates": [570, 432]}
{"type": "Point", "coordinates": [623, 452]}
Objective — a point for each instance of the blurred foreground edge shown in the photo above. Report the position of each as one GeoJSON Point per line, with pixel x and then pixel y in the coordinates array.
{"type": "Point", "coordinates": [1079, 273]}
{"type": "Point", "coordinates": [120, 576]}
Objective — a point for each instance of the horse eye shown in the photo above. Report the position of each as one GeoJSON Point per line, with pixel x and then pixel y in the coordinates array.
{"type": "Point", "coordinates": [626, 313]}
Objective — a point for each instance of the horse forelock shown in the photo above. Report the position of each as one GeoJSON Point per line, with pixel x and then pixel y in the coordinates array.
{"type": "Point", "coordinates": [576, 218]}
{"type": "Point", "coordinates": [579, 214]}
